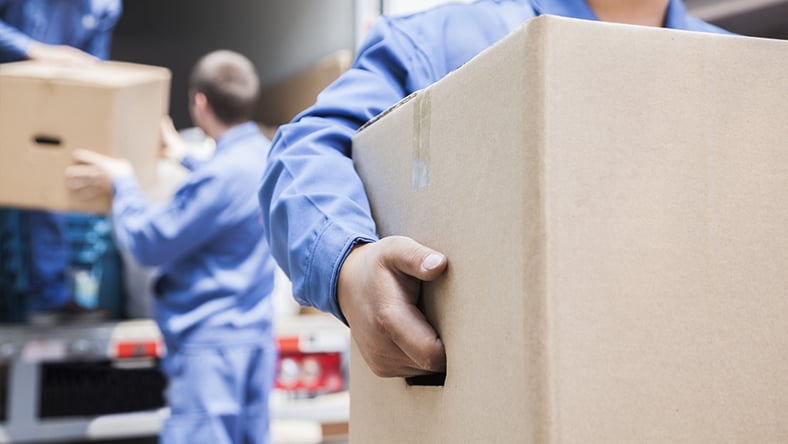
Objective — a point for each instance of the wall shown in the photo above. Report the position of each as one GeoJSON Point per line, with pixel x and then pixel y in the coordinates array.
{"type": "Point", "coordinates": [280, 36]}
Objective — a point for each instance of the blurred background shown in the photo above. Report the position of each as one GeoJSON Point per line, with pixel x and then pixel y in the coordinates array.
{"type": "Point", "coordinates": [284, 37]}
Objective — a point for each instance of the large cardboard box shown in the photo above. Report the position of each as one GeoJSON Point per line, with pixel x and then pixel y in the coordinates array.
{"type": "Point", "coordinates": [47, 111]}
{"type": "Point", "coordinates": [613, 201]}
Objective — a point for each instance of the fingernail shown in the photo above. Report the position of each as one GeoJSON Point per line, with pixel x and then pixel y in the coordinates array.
{"type": "Point", "coordinates": [432, 261]}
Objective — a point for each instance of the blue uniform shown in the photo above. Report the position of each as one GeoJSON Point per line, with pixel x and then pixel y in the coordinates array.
{"type": "Point", "coordinates": [214, 278]}
{"type": "Point", "coordinates": [313, 201]}
{"type": "Point", "coordinates": [83, 24]}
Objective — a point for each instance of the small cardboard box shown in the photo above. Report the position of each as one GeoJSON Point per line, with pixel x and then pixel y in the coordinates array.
{"type": "Point", "coordinates": [613, 201]}
{"type": "Point", "coordinates": [47, 111]}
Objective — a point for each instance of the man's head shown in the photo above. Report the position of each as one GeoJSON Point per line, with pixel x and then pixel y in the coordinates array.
{"type": "Point", "coordinates": [228, 82]}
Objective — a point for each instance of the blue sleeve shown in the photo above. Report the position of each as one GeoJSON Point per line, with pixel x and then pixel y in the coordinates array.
{"type": "Point", "coordinates": [13, 43]}
{"type": "Point", "coordinates": [191, 162]}
{"type": "Point", "coordinates": [160, 234]}
{"type": "Point", "coordinates": [313, 202]}
{"type": "Point", "coordinates": [99, 44]}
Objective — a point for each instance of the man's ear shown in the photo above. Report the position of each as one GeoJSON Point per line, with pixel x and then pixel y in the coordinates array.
{"type": "Point", "coordinates": [200, 100]}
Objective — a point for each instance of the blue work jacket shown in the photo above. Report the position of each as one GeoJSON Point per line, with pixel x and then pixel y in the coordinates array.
{"type": "Point", "coordinates": [83, 24]}
{"type": "Point", "coordinates": [313, 201]}
{"type": "Point", "coordinates": [214, 271]}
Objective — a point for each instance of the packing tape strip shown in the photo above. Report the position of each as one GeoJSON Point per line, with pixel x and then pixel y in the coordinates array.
{"type": "Point", "coordinates": [421, 140]}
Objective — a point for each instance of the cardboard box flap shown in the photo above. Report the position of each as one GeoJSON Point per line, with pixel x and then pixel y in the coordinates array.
{"type": "Point", "coordinates": [402, 101]}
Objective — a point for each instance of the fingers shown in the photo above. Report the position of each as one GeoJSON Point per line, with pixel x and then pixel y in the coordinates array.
{"type": "Point", "coordinates": [167, 126]}
{"type": "Point", "coordinates": [409, 330]}
{"type": "Point", "coordinates": [85, 180]}
{"type": "Point", "coordinates": [401, 344]}
{"type": "Point", "coordinates": [110, 167]}
{"type": "Point", "coordinates": [88, 157]}
{"type": "Point", "coordinates": [172, 147]}
{"type": "Point", "coordinates": [88, 192]}
{"type": "Point", "coordinates": [166, 131]}
{"type": "Point", "coordinates": [82, 176]}
{"type": "Point", "coordinates": [405, 324]}
{"type": "Point", "coordinates": [412, 258]}
{"type": "Point", "coordinates": [61, 54]}
{"type": "Point", "coordinates": [378, 291]}
{"type": "Point", "coordinates": [81, 173]}
{"type": "Point", "coordinates": [80, 57]}
{"type": "Point", "coordinates": [91, 176]}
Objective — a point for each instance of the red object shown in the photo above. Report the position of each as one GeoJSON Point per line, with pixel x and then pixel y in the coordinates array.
{"type": "Point", "coordinates": [308, 373]}
{"type": "Point", "coordinates": [137, 349]}
{"type": "Point", "coordinates": [288, 345]}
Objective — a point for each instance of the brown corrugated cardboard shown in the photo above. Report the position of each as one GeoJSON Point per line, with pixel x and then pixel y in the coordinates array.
{"type": "Point", "coordinates": [613, 201]}
{"type": "Point", "coordinates": [47, 111]}
{"type": "Point", "coordinates": [282, 101]}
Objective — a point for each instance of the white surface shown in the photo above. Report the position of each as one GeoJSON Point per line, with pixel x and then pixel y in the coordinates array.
{"type": "Point", "coordinates": [295, 432]}
{"type": "Point", "coordinates": [127, 424]}
{"type": "Point", "coordinates": [407, 6]}
{"type": "Point", "coordinates": [334, 407]}
{"type": "Point", "coordinates": [284, 303]}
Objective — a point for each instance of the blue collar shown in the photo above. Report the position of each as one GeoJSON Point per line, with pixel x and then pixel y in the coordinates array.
{"type": "Point", "coordinates": [675, 18]}
{"type": "Point", "coordinates": [232, 135]}
{"type": "Point", "coordinates": [564, 8]}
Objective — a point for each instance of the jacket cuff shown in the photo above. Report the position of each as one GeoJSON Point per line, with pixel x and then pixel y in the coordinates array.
{"type": "Point", "coordinates": [331, 247]}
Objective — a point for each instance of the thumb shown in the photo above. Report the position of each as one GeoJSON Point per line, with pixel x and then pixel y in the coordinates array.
{"type": "Point", "coordinates": [86, 156]}
{"type": "Point", "coordinates": [167, 126]}
{"type": "Point", "coordinates": [413, 258]}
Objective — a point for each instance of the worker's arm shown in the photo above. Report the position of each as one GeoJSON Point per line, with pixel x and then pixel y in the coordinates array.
{"type": "Point", "coordinates": [16, 45]}
{"type": "Point", "coordinates": [313, 201]}
{"type": "Point", "coordinates": [153, 234]}
{"type": "Point", "coordinates": [174, 148]}
{"type": "Point", "coordinates": [316, 209]}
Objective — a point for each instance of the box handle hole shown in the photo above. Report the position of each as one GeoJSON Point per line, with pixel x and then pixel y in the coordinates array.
{"type": "Point", "coordinates": [47, 141]}
{"type": "Point", "coordinates": [432, 379]}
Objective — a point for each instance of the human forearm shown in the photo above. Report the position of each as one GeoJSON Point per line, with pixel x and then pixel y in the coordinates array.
{"type": "Point", "coordinates": [315, 209]}
{"type": "Point", "coordinates": [313, 202]}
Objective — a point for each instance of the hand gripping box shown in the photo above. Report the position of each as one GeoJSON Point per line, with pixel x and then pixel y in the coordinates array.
{"type": "Point", "coordinates": [47, 111]}
{"type": "Point", "coordinates": [613, 201]}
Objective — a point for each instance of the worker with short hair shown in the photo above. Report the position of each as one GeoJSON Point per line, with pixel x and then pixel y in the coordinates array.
{"type": "Point", "coordinates": [214, 272]}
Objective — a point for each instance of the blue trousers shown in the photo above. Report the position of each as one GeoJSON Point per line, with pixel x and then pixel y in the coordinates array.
{"type": "Point", "coordinates": [219, 394]}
